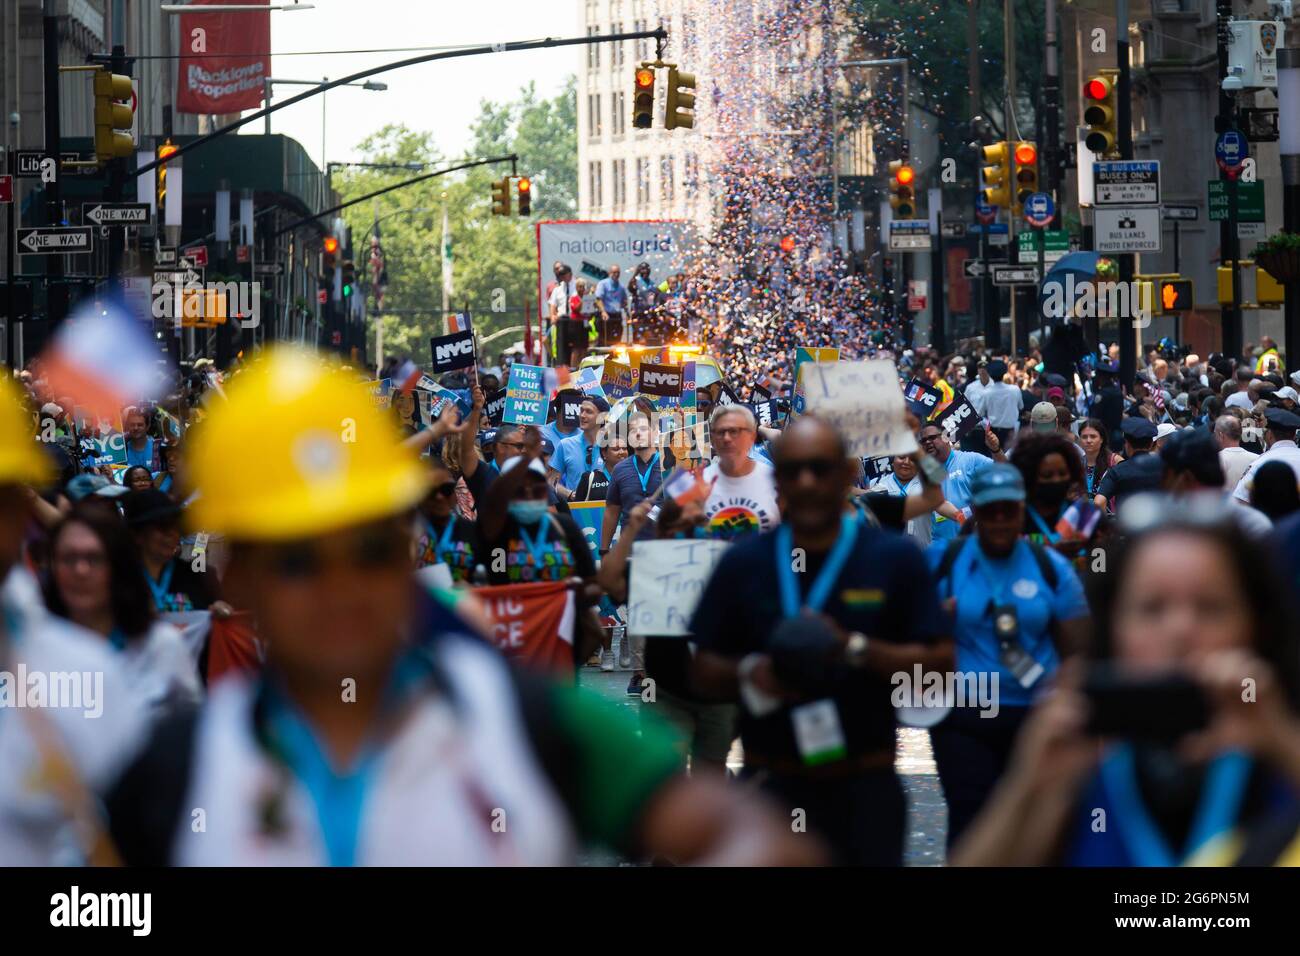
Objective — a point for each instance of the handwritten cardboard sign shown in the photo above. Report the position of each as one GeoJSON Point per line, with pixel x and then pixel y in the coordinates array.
{"type": "Point", "coordinates": [863, 400]}
{"type": "Point", "coordinates": [666, 582]}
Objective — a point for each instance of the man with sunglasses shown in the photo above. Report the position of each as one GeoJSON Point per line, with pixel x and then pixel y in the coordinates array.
{"type": "Point", "coordinates": [743, 498]}
{"type": "Point", "coordinates": [373, 736]}
{"type": "Point", "coordinates": [479, 475]}
{"type": "Point", "coordinates": [961, 467]}
{"type": "Point", "coordinates": [806, 625]}
{"type": "Point", "coordinates": [443, 536]}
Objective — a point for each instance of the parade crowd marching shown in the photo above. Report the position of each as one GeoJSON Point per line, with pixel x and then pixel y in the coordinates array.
{"type": "Point", "coordinates": [297, 613]}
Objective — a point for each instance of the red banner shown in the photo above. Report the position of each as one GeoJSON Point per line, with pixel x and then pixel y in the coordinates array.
{"type": "Point", "coordinates": [217, 74]}
{"type": "Point", "coordinates": [532, 623]}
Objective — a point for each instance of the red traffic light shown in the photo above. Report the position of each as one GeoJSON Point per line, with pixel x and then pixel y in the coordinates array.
{"type": "Point", "coordinates": [1026, 154]}
{"type": "Point", "coordinates": [1096, 89]}
{"type": "Point", "coordinates": [331, 245]}
{"type": "Point", "coordinates": [905, 175]}
{"type": "Point", "coordinates": [645, 78]}
{"type": "Point", "coordinates": [787, 244]}
{"type": "Point", "coordinates": [525, 184]}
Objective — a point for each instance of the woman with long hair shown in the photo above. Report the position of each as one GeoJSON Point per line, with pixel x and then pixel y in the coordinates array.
{"type": "Point", "coordinates": [1096, 447]}
{"type": "Point", "coordinates": [1182, 732]}
{"type": "Point", "coordinates": [95, 581]}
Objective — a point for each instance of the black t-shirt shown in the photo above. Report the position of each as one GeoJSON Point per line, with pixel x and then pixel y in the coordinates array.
{"type": "Point", "coordinates": [884, 591]}
{"type": "Point", "coordinates": [185, 590]}
{"type": "Point", "coordinates": [461, 552]}
{"type": "Point", "coordinates": [1142, 472]}
{"type": "Point", "coordinates": [561, 548]}
{"type": "Point", "coordinates": [887, 508]}
{"type": "Point", "coordinates": [1108, 405]}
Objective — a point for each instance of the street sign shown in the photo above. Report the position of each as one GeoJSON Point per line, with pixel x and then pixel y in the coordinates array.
{"type": "Point", "coordinates": [242, 253]}
{"type": "Point", "coordinates": [115, 213]}
{"type": "Point", "coordinates": [1055, 244]}
{"type": "Point", "coordinates": [6, 189]}
{"type": "Point", "coordinates": [998, 232]}
{"type": "Point", "coordinates": [1126, 182]}
{"type": "Point", "coordinates": [952, 230]}
{"type": "Point", "coordinates": [53, 240]}
{"type": "Point", "coordinates": [909, 235]}
{"type": "Point", "coordinates": [164, 256]}
{"type": "Point", "coordinates": [199, 255]}
{"type": "Point", "coordinates": [1181, 213]}
{"type": "Point", "coordinates": [183, 276]}
{"type": "Point", "coordinates": [917, 291]}
{"type": "Point", "coordinates": [1250, 230]}
{"type": "Point", "coordinates": [1132, 229]}
{"type": "Point", "coordinates": [1250, 201]}
{"type": "Point", "coordinates": [1231, 150]}
{"type": "Point", "coordinates": [270, 268]}
{"type": "Point", "coordinates": [973, 268]}
{"type": "Point", "coordinates": [28, 163]}
{"type": "Point", "coordinates": [1040, 210]}
{"type": "Point", "coordinates": [1015, 275]}
{"type": "Point", "coordinates": [984, 212]}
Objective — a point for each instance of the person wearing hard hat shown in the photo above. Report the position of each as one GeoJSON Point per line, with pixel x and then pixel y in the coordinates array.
{"type": "Point", "coordinates": [71, 726]}
{"type": "Point", "coordinates": [376, 735]}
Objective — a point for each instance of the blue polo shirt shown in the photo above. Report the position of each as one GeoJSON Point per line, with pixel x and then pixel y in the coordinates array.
{"type": "Point", "coordinates": [143, 457]}
{"type": "Point", "coordinates": [961, 467]}
{"type": "Point", "coordinates": [612, 295]}
{"type": "Point", "coordinates": [630, 483]}
{"type": "Point", "coordinates": [551, 430]}
{"type": "Point", "coordinates": [573, 457]}
{"type": "Point", "coordinates": [978, 582]}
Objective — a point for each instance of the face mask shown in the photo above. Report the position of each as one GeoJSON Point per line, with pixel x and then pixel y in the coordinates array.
{"type": "Point", "coordinates": [528, 512]}
{"type": "Point", "coordinates": [1052, 493]}
{"type": "Point", "coordinates": [695, 532]}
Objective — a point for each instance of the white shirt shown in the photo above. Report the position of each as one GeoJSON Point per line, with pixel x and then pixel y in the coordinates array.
{"type": "Point", "coordinates": [160, 668]}
{"type": "Point", "coordinates": [1281, 451]}
{"type": "Point", "coordinates": [738, 505]}
{"type": "Point", "coordinates": [1000, 403]}
{"type": "Point", "coordinates": [560, 295]}
{"type": "Point", "coordinates": [976, 388]}
{"type": "Point", "coordinates": [1239, 400]}
{"type": "Point", "coordinates": [919, 529]}
{"type": "Point", "coordinates": [1234, 462]}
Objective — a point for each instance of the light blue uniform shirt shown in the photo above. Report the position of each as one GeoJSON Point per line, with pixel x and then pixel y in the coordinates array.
{"type": "Point", "coordinates": [571, 459]}
{"type": "Point", "coordinates": [978, 582]}
{"type": "Point", "coordinates": [612, 295]}
{"type": "Point", "coordinates": [961, 467]}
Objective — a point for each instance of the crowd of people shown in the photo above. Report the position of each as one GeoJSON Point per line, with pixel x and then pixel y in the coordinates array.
{"type": "Point", "coordinates": [293, 589]}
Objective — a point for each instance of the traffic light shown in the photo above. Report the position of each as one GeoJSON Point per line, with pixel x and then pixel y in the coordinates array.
{"type": "Point", "coordinates": [525, 196]}
{"type": "Point", "coordinates": [643, 97]}
{"type": "Point", "coordinates": [165, 150]}
{"type": "Point", "coordinates": [328, 260]}
{"type": "Point", "coordinates": [1099, 114]}
{"type": "Point", "coordinates": [997, 175]}
{"type": "Point", "coordinates": [680, 105]}
{"type": "Point", "coordinates": [1026, 156]}
{"type": "Point", "coordinates": [1173, 295]}
{"type": "Point", "coordinates": [349, 276]}
{"type": "Point", "coordinates": [113, 115]}
{"type": "Point", "coordinates": [902, 189]}
{"type": "Point", "coordinates": [501, 197]}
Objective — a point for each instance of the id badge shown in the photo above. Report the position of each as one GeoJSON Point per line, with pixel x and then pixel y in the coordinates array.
{"type": "Point", "coordinates": [1024, 668]}
{"type": "Point", "coordinates": [818, 733]}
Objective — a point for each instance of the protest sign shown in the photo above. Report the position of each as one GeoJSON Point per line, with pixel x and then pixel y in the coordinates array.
{"type": "Point", "coordinates": [588, 383]}
{"type": "Point", "coordinates": [567, 404]}
{"type": "Point", "coordinates": [532, 623]}
{"type": "Point", "coordinates": [589, 515]}
{"type": "Point", "coordinates": [862, 400]}
{"type": "Point", "coordinates": [379, 392]}
{"type": "Point", "coordinates": [807, 356]}
{"type": "Point", "coordinates": [763, 413]}
{"type": "Point", "coordinates": [525, 401]}
{"type": "Point", "coordinates": [876, 468]}
{"type": "Point", "coordinates": [662, 380]}
{"type": "Point", "coordinates": [617, 380]}
{"type": "Point", "coordinates": [958, 420]}
{"type": "Point", "coordinates": [494, 404]}
{"type": "Point", "coordinates": [922, 400]}
{"type": "Point", "coordinates": [667, 579]}
{"type": "Point", "coordinates": [107, 449]}
{"type": "Point", "coordinates": [726, 396]}
{"type": "Point", "coordinates": [453, 351]}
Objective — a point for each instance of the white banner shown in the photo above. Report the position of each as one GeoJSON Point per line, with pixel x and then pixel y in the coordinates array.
{"type": "Point", "coordinates": [665, 584]}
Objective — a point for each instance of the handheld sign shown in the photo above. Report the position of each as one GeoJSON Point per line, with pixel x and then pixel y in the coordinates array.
{"type": "Point", "coordinates": [665, 583]}
{"type": "Point", "coordinates": [922, 400]}
{"type": "Point", "coordinates": [494, 404]}
{"type": "Point", "coordinates": [617, 380]}
{"type": "Point", "coordinates": [526, 401]}
{"type": "Point", "coordinates": [567, 404]}
{"type": "Point", "coordinates": [663, 380]}
{"type": "Point", "coordinates": [863, 401]}
{"type": "Point", "coordinates": [588, 382]}
{"type": "Point", "coordinates": [958, 420]}
{"type": "Point", "coordinates": [876, 468]}
{"type": "Point", "coordinates": [453, 351]}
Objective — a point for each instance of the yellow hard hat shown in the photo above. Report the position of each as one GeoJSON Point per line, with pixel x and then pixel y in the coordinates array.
{"type": "Point", "coordinates": [21, 459]}
{"type": "Point", "coordinates": [298, 450]}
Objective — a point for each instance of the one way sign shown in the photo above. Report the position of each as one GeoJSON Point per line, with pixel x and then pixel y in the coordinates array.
{"type": "Point", "coordinates": [50, 240]}
{"type": "Point", "coordinates": [115, 214]}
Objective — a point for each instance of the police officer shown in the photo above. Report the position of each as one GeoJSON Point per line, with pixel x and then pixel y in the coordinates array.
{"type": "Point", "coordinates": [1280, 437]}
{"type": "Point", "coordinates": [1139, 471]}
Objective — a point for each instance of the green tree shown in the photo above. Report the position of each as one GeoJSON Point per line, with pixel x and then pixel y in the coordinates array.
{"type": "Point", "coordinates": [494, 259]}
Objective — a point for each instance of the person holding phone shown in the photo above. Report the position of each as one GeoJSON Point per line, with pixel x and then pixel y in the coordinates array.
{"type": "Point", "coordinates": [1018, 610]}
{"type": "Point", "coordinates": [1183, 764]}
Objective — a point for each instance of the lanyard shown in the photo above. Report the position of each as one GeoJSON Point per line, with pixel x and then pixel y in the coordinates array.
{"type": "Point", "coordinates": [1225, 787]}
{"type": "Point", "coordinates": [444, 539]}
{"type": "Point", "coordinates": [830, 571]}
{"type": "Point", "coordinates": [1051, 536]}
{"type": "Point", "coordinates": [645, 479]}
{"type": "Point", "coordinates": [902, 489]}
{"type": "Point", "coordinates": [536, 547]}
{"type": "Point", "coordinates": [988, 573]}
{"type": "Point", "coordinates": [161, 586]}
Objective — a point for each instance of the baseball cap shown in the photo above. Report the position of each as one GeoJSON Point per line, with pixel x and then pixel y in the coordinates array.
{"type": "Point", "coordinates": [149, 506]}
{"type": "Point", "coordinates": [1000, 482]}
{"type": "Point", "coordinates": [1043, 417]}
{"type": "Point", "coordinates": [1055, 392]}
{"type": "Point", "coordinates": [1287, 392]}
{"type": "Point", "coordinates": [84, 486]}
{"type": "Point", "coordinates": [1137, 427]}
{"type": "Point", "coordinates": [1165, 429]}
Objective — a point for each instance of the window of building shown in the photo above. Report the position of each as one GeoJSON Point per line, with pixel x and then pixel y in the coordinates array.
{"type": "Point", "coordinates": [593, 115]}
{"type": "Point", "coordinates": [642, 46]}
{"type": "Point", "coordinates": [593, 49]}
{"type": "Point", "coordinates": [643, 182]}
{"type": "Point", "coordinates": [690, 172]}
{"type": "Point", "coordinates": [617, 58]}
{"type": "Point", "coordinates": [666, 178]}
{"type": "Point", "coordinates": [619, 174]}
{"type": "Point", "coordinates": [594, 184]}
{"type": "Point", "coordinates": [618, 113]}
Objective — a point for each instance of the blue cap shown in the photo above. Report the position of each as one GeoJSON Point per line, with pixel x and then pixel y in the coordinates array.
{"type": "Point", "coordinates": [1137, 427]}
{"type": "Point", "coordinates": [998, 482]}
{"type": "Point", "coordinates": [548, 447]}
{"type": "Point", "coordinates": [1281, 419]}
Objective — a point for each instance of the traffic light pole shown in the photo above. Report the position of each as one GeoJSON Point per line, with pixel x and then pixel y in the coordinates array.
{"type": "Point", "coordinates": [56, 292]}
{"type": "Point", "coordinates": [1229, 245]}
{"type": "Point", "coordinates": [1124, 119]}
{"type": "Point", "coordinates": [116, 170]}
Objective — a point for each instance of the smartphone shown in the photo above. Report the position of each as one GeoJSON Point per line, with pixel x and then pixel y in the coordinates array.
{"type": "Point", "coordinates": [1144, 708]}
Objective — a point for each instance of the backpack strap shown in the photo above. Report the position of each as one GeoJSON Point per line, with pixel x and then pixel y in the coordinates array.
{"type": "Point", "coordinates": [1045, 566]}
{"type": "Point", "coordinates": [949, 559]}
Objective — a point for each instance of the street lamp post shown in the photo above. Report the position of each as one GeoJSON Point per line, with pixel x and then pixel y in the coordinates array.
{"type": "Point", "coordinates": [1288, 111]}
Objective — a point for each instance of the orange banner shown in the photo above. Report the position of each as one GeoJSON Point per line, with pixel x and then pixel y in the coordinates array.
{"type": "Point", "coordinates": [532, 623]}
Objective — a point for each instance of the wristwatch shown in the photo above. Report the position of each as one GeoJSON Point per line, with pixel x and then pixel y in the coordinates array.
{"type": "Point", "coordinates": [855, 651]}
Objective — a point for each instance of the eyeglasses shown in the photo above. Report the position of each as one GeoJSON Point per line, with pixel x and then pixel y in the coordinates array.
{"type": "Point", "coordinates": [931, 439]}
{"type": "Point", "coordinates": [92, 559]}
{"type": "Point", "coordinates": [730, 432]}
{"type": "Point", "coordinates": [510, 444]}
{"type": "Point", "coordinates": [446, 489]}
{"type": "Point", "coordinates": [368, 550]}
{"type": "Point", "coordinates": [792, 470]}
